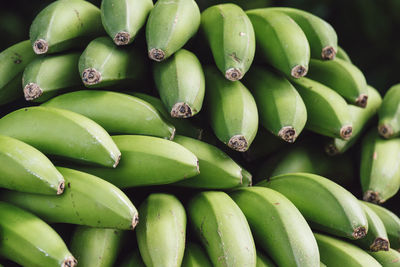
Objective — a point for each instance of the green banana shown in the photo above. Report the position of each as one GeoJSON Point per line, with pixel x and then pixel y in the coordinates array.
{"type": "Point", "coordinates": [322, 264]}
{"type": "Point", "coordinates": [47, 76]}
{"type": "Point", "coordinates": [133, 260]}
{"type": "Point", "coordinates": [195, 256]}
{"type": "Point", "coordinates": [360, 120]}
{"type": "Point", "coordinates": [24, 168]}
{"type": "Point", "coordinates": [161, 233]}
{"type": "Point", "coordinates": [263, 261]}
{"type": "Point", "coordinates": [62, 133]}
{"type": "Point", "coordinates": [343, 54]}
{"type": "Point", "coordinates": [117, 113]}
{"type": "Point", "coordinates": [389, 258]}
{"type": "Point", "coordinates": [278, 226]}
{"type": "Point", "coordinates": [147, 161]}
{"type": "Point", "coordinates": [379, 167]}
{"type": "Point", "coordinates": [247, 179]}
{"type": "Point", "coordinates": [343, 77]}
{"type": "Point", "coordinates": [281, 109]}
{"type": "Point", "coordinates": [327, 111]}
{"type": "Point", "coordinates": [29, 241]}
{"type": "Point", "coordinates": [65, 24]}
{"type": "Point", "coordinates": [232, 111]}
{"type": "Point", "coordinates": [326, 205]}
{"type": "Point", "coordinates": [231, 37]}
{"type": "Point", "coordinates": [122, 19]}
{"type": "Point", "coordinates": [389, 113]}
{"type": "Point", "coordinates": [103, 63]}
{"type": "Point", "coordinates": [282, 41]}
{"type": "Point", "coordinates": [222, 229]}
{"type": "Point", "coordinates": [337, 253]}
{"type": "Point", "coordinates": [180, 83]}
{"type": "Point", "coordinates": [87, 200]}
{"type": "Point", "coordinates": [170, 25]}
{"type": "Point", "coordinates": [13, 61]}
{"type": "Point", "coordinates": [96, 246]}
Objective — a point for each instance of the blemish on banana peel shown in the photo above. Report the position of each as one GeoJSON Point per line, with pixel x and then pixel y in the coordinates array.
{"type": "Point", "coordinates": [299, 71]}
{"type": "Point", "coordinates": [242, 34]}
{"type": "Point", "coordinates": [362, 100]}
{"type": "Point", "coordinates": [91, 76]}
{"type": "Point", "coordinates": [233, 74]}
{"type": "Point", "coordinates": [328, 53]}
{"type": "Point", "coordinates": [375, 155]}
{"type": "Point", "coordinates": [40, 46]}
{"type": "Point", "coordinates": [288, 134]}
{"type": "Point", "coordinates": [359, 232]}
{"type": "Point", "coordinates": [235, 58]}
{"type": "Point", "coordinates": [79, 18]}
{"type": "Point", "coordinates": [379, 244]}
{"type": "Point", "coordinates": [238, 143]}
{"type": "Point", "coordinates": [69, 262]}
{"type": "Point", "coordinates": [181, 110]}
{"type": "Point", "coordinates": [372, 196]}
{"type": "Point", "coordinates": [17, 59]}
{"type": "Point", "coordinates": [122, 38]}
{"type": "Point", "coordinates": [135, 220]}
{"type": "Point", "coordinates": [156, 54]}
{"type": "Point", "coordinates": [32, 91]}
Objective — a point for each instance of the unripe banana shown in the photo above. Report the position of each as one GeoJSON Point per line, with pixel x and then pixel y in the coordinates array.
{"type": "Point", "coordinates": [322, 264]}
{"type": "Point", "coordinates": [278, 226]}
{"type": "Point", "coordinates": [29, 241]}
{"type": "Point", "coordinates": [147, 161]}
{"type": "Point", "coordinates": [379, 168]}
{"type": "Point", "coordinates": [62, 133]}
{"type": "Point", "coordinates": [327, 111]}
{"type": "Point", "coordinates": [13, 61]}
{"type": "Point", "coordinates": [161, 233]}
{"type": "Point", "coordinates": [103, 63]}
{"type": "Point", "coordinates": [389, 258]}
{"type": "Point", "coordinates": [24, 168]}
{"type": "Point", "coordinates": [263, 261]}
{"type": "Point", "coordinates": [389, 113]}
{"type": "Point", "coordinates": [170, 25]}
{"type": "Point", "coordinates": [222, 229]}
{"type": "Point", "coordinates": [180, 83]}
{"type": "Point", "coordinates": [360, 120]}
{"type": "Point", "coordinates": [343, 54]}
{"type": "Point", "coordinates": [232, 111]}
{"type": "Point", "coordinates": [337, 253]}
{"type": "Point", "coordinates": [327, 206]}
{"type": "Point", "coordinates": [282, 41]}
{"type": "Point", "coordinates": [65, 24]}
{"type": "Point", "coordinates": [87, 200]}
{"type": "Point", "coordinates": [281, 109]}
{"type": "Point", "coordinates": [231, 37]}
{"type": "Point", "coordinates": [247, 179]}
{"type": "Point", "coordinates": [195, 256]}
{"type": "Point", "coordinates": [122, 19]}
{"type": "Point", "coordinates": [96, 247]}
{"type": "Point", "coordinates": [47, 76]}
{"type": "Point", "coordinates": [117, 113]}
{"type": "Point", "coordinates": [133, 260]}
{"type": "Point", "coordinates": [343, 77]}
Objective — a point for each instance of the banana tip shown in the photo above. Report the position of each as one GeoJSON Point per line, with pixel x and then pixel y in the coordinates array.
{"type": "Point", "coordinates": [362, 100]}
{"type": "Point", "coordinates": [172, 134]}
{"type": "Point", "coordinates": [328, 53]}
{"type": "Point", "coordinates": [61, 187]}
{"type": "Point", "coordinates": [331, 150]}
{"type": "Point", "coordinates": [346, 132]}
{"type": "Point", "coordinates": [40, 46]}
{"type": "Point", "coordinates": [70, 261]}
{"type": "Point", "coordinates": [32, 91]}
{"type": "Point", "coordinates": [299, 71]}
{"type": "Point", "coordinates": [372, 196]}
{"type": "Point", "coordinates": [233, 74]}
{"type": "Point", "coordinates": [91, 76]}
{"type": "Point", "coordinates": [156, 54]}
{"type": "Point", "coordinates": [238, 143]}
{"type": "Point", "coordinates": [288, 134]}
{"type": "Point", "coordinates": [380, 244]}
{"type": "Point", "coordinates": [122, 38]}
{"type": "Point", "coordinates": [385, 130]}
{"type": "Point", "coordinates": [135, 220]}
{"type": "Point", "coordinates": [117, 161]}
{"type": "Point", "coordinates": [359, 232]}
{"type": "Point", "coordinates": [181, 110]}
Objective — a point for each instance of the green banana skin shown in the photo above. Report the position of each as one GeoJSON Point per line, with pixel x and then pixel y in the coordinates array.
{"type": "Point", "coordinates": [343, 77]}
{"type": "Point", "coordinates": [342, 54]}
{"type": "Point", "coordinates": [379, 168]}
{"type": "Point", "coordinates": [133, 260]}
{"type": "Point", "coordinates": [232, 111]}
{"type": "Point", "coordinates": [117, 113]}
{"type": "Point", "coordinates": [63, 25]}
{"type": "Point", "coordinates": [389, 112]}
{"type": "Point", "coordinates": [322, 264]}
{"type": "Point", "coordinates": [195, 256]}
{"type": "Point", "coordinates": [281, 41]}
{"type": "Point", "coordinates": [13, 61]}
{"type": "Point", "coordinates": [327, 111]}
{"type": "Point", "coordinates": [96, 246]}
{"type": "Point", "coordinates": [217, 169]}
{"type": "Point", "coordinates": [247, 179]}
{"type": "Point", "coordinates": [147, 161]}
{"type": "Point", "coordinates": [324, 204]}
{"type": "Point", "coordinates": [391, 223]}
{"type": "Point", "coordinates": [29, 241]}
{"type": "Point", "coordinates": [24, 168]}
{"type": "Point", "coordinates": [360, 120]}
{"type": "Point", "coordinates": [389, 258]}
{"type": "Point", "coordinates": [233, 54]}
{"type": "Point", "coordinates": [47, 76]}
{"type": "Point", "coordinates": [263, 261]}
{"type": "Point", "coordinates": [336, 253]}
{"type": "Point", "coordinates": [320, 34]}
{"type": "Point", "coordinates": [87, 200]}
{"type": "Point", "coordinates": [222, 229]}
{"type": "Point", "coordinates": [170, 25]}
{"type": "Point", "coordinates": [280, 107]}
{"type": "Point", "coordinates": [103, 63]}
{"type": "Point", "coordinates": [180, 83]}
{"type": "Point", "coordinates": [161, 233]}
{"type": "Point", "coordinates": [278, 226]}
{"type": "Point", "coordinates": [122, 19]}
{"type": "Point", "coordinates": [62, 133]}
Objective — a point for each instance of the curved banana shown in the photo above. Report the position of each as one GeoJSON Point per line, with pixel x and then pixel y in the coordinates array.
{"type": "Point", "coordinates": [65, 24]}
{"type": "Point", "coordinates": [326, 205]}
{"type": "Point", "coordinates": [389, 258]}
{"type": "Point", "coordinates": [282, 41]}
{"type": "Point", "coordinates": [122, 19]}
{"type": "Point", "coordinates": [47, 76]}
{"type": "Point", "coordinates": [87, 200]}
{"type": "Point", "coordinates": [222, 229]}
{"type": "Point", "coordinates": [180, 83]}
{"type": "Point", "coordinates": [117, 113]}
{"type": "Point", "coordinates": [29, 241]}
{"type": "Point", "coordinates": [389, 113]}
{"type": "Point", "coordinates": [170, 25]}
{"type": "Point", "coordinates": [343, 54]}
{"type": "Point", "coordinates": [278, 226]}
{"type": "Point", "coordinates": [195, 256]}
{"type": "Point", "coordinates": [133, 260]}
{"type": "Point", "coordinates": [231, 37]}
{"type": "Point", "coordinates": [263, 261]}
{"type": "Point", "coordinates": [62, 133]}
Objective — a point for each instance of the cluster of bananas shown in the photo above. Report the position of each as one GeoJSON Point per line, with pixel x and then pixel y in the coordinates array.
{"type": "Point", "coordinates": [294, 215]}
